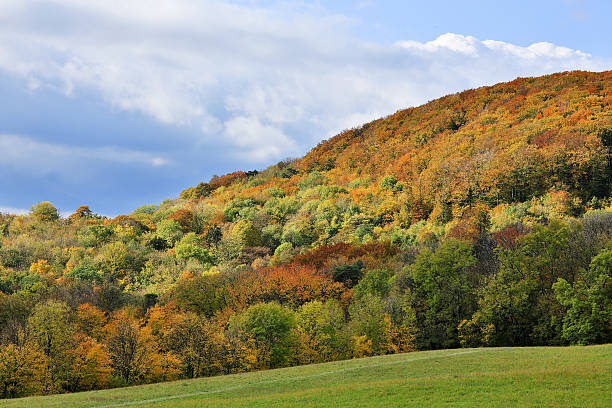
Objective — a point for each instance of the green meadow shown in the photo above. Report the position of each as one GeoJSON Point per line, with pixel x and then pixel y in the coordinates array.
{"type": "Point", "coordinates": [486, 377]}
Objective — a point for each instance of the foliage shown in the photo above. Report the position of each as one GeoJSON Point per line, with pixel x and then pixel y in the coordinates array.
{"type": "Point", "coordinates": [479, 219]}
{"type": "Point", "coordinates": [442, 293]}
{"type": "Point", "coordinates": [271, 326]}
{"type": "Point", "coordinates": [45, 211]}
{"type": "Point", "coordinates": [22, 371]}
{"type": "Point", "coordinates": [589, 314]}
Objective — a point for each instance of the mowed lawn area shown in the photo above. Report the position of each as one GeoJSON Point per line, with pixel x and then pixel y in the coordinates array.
{"type": "Point", "coordinates": [489, 377]}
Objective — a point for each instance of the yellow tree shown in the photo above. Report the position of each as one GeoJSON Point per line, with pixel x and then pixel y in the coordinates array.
{"type": "Point", "coordinates": [91, 320]}
{"type": "Point", "coordinates": [127, 349]}
{"type": "Point", "coordinates": [23, 371]}
{"type": "Point", "coordinates": [92, 366]}
{"type": "Point", "coordinates": [135, 355]}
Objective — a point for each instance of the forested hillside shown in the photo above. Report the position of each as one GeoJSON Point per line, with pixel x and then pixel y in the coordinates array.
{"type": "Point", "coordinates": [482, 218]}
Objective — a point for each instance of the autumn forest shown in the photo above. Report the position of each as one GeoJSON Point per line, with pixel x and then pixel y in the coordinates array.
{"type": "Point", "coordinates": [483, 218]}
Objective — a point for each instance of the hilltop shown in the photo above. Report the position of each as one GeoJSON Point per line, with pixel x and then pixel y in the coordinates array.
{"type": "Point", "coordinates": [505, 143]}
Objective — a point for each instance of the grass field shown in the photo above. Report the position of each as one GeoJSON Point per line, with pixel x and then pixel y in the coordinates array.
{"type": "Point", "coordinates": [491, 377]}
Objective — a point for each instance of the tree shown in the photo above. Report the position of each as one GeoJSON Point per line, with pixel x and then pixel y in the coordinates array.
{"type": "Point", "coordinates": [128, 350]}
{"type": "Point", "coordinates": [375, 282]}
{"type": "Point", "coordinates": [85, 271]}
{"type": "Point", "coordinates": [187, 251]}
{"type": "Point", "coordinates": [188, 248]}
{"type": "Point", "coordinates": [91, 321]}
{"type": "Point", "coordinates": [293, 285]}
{"type": "Point", "coordinates": [202, 294]}
{"type": "Point", "coordinates": [51, 329]}
{"type": "Point", "coordinates": [115, 259]}
{"type": "Point", "coordinates": [391, 183]}
{"type": "Point", "coordinates": [282, 253]}
{"type": "Point", "coordinates": [367, 326]}
{"type": "Point", "coordinates": [91, 368]}
{"type": "Point", "coordinates": [519, 306]}
{"type": "Point", "coordinates": [213, 235]}
{"type": "Point", "coordinates": [45, 211]}
{"type": "Point", "coordinates": [40, 267]}
{"type": "Point", "coordinates": [271, 326]}
{"type": "Point", "coordinates": [199, 343]}
{"type": "Point", "coordinates": [299, 232]}
{"type": "Point", "coordinates": [247, 233]}
{"type": "Point", "coordinates": [443, 296]}
{"type": "Point", "coordinates": [588, 319]}
{"type": "Point", "coordinates": [184, 218]}
{"type": "Point", "coordinates": [348, 274]}
{"type": "Point", "coordinates": [23, 371]}
{"type": "Point", "coordinates": [82, 212]}
{"type": "Point", "coordinates": [319, 328]}
{"type": "Point", "coordinates": [170, 230]}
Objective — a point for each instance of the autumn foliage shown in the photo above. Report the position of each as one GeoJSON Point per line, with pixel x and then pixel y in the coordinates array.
{"type": "Point", "coordinates": [482, 218]}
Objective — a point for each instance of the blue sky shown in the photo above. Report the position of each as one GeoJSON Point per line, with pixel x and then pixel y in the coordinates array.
{"type": "Point", "coordinates": [117, 104]}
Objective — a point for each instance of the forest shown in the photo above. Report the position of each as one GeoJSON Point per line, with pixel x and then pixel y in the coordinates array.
{"type": "Point", "coordinates": [482, 218]}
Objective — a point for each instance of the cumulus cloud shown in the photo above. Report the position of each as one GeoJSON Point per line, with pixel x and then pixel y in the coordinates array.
{"type": "Point", "coordinates": [266, 82]}
{"type": "Point", "coordinates": [257, 140]}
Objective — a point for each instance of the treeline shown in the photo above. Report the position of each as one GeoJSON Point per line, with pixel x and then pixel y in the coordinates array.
{"type": "Point", "coordinates": [540, 285]}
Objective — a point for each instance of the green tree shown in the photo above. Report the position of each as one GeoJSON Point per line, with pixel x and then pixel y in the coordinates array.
{"type": "Point", "coordinates": [170, 230]}
{"type": "Point", "coordinates": [588, 318]}
{"type": "Point", "coordinates": [319, 328]}
{"type": "Point", "coordinates": [271, 326]}
{"type": "Point", "coordinates": [115, 259]}
{"type": "Point", "coordinates": [203, 294]}
{"type": "Point", "coordinates": [368, 318]}
{"type": "Point", "coordinates": [299, 232]}
{"type": "Point", "coordinates": [51, 328]}
{"type": "Point", "coordinates": [45, 211]}
{"type": "Point", "coordinates": [390, 183]}
{"type": "Point", "coordinates": [189, 248]}
{"type": "Point", "coordinates": [348, 274]}
{"type": "Point", "coordinates": [247, 233]}
{"type": "Point", "coordinates": [375, 282]}
{"type": "Point", "coordinates": [518, 306]}
{"type": "Point", "coordinates": [85, 271]}
{"type": "Point", "coordinates": [443, 293]}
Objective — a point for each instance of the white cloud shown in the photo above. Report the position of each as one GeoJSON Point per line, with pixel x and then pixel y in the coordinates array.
{"type": "Point", "coordinates": [12, 210]}
{"type": "Point", "coordinates": [266, 82]}
{"type": "Point", "coordinates": [30, 156]}
{"type": "Point", "coordinates": [256, 140]}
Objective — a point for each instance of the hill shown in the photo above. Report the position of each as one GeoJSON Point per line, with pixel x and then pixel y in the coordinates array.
{"type": "Point", "coordinates": [479, 219]}
{"type": "Point", "coordinates": [543, 377]}
{"type": "Point", "coordinates": [505, 143]}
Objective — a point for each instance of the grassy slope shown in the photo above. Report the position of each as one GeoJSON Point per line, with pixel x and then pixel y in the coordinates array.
{"type": "Point", "coordinates": [543, 376]}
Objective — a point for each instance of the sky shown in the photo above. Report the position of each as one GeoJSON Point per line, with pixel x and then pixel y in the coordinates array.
{"type": "Point", "coordinates": [117, 104]}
